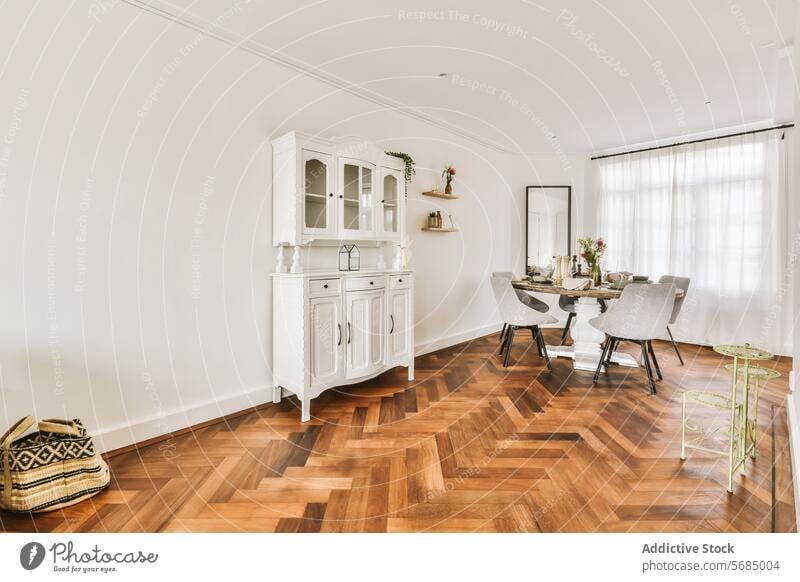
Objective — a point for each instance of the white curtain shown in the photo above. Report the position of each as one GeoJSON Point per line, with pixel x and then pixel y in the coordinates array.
{"type": "Point", "coordinates": [714, 211]}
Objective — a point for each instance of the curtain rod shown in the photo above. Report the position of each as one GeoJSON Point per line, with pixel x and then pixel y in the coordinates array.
{"type": "Point", "coordinates": [680, 143]}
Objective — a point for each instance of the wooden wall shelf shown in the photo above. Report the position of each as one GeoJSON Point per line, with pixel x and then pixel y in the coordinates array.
{"type": "Point", "coordinates": [431, 229]}
{"type": "Point", "coordinates": [440, 194]}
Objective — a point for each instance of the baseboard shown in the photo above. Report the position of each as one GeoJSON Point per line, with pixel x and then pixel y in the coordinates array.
{"type": "Point", "coordinates": [161, 426]}
{"type": "Point", "coordinates": [794, 440]}
{"type": "Point", "coordinates": [442, 342]}
{"type": "Point", "coordinates": [164, 424]}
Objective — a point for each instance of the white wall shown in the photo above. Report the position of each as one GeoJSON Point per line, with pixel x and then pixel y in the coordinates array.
{"type": "Point", "coordinates": [135, 218]}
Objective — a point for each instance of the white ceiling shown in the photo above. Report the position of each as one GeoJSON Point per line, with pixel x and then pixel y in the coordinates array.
{"type": "Point", "coordinates": [595, 74]}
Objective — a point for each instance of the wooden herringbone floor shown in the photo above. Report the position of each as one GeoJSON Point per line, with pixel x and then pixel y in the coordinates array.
{"type": "Point", "coordinates": [468, 446]}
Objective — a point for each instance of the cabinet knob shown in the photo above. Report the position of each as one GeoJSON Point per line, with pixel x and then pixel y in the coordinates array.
{"type": "Point", "coordinates": [341, 196]}
{"type": "Point", "coordinates": [399, 280]}
{"type": "Point", "coordinates": [331, 194]}
{"type": "Point", "coordinates": [372, 282]}
{"type": "Point", "coordinates": [325, 286]}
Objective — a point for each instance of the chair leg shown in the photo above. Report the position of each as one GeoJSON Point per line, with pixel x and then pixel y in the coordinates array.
{"type": "Point", "coordinates": [655, 361]}
{"type": "Point", "coordinates": [674, 345]}
{"type": "Point", "coordinates": [601, 361]}
{"type": "Point", "coordinates": [503, 338]}
{"type": "Point", "coordinates": [648, 369]}
{"type": "Point", "coordinates": [612, 345]}
{"type": "Point", "coordinates": [565, 335]}
{"type": "Point", "coordinates": [542, 347]}
{"type": "Point", "coordinates": [535, 335]}
{"type": "Point", "coordinates": [509, 343]}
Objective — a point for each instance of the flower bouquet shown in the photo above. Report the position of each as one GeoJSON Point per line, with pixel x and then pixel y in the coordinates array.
{"type": "Point", "coordinates": [591, 251]}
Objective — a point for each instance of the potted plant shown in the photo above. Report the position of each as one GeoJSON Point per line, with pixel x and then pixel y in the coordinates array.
{"type": "Point", "coordinates": [408, 170]}
{"type": "Point", "coordinates": [449, 174]}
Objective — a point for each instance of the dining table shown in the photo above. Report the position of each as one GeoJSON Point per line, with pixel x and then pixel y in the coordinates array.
{"type": "Point", "coordinates": [587, 340]}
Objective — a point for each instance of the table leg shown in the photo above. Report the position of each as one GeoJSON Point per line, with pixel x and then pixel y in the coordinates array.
{"type": "Point", "coordinates": [587, 340]}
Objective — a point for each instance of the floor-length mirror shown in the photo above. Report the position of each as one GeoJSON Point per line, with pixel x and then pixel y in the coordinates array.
{"type": "Point", "coordinates": [548, 225]}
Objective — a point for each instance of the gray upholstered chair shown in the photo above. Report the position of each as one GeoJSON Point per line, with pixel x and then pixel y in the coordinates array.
{"type": "Point", "coordinates": [517, 315]}
{"type": "Point", "coordinates": [638, 316]}
{"type": "Point", "coordinates": [567, 304]}
{"type": "Point", "coordinates": [681, 283]}
{"type": "Point", "coordinates": [524, 297]}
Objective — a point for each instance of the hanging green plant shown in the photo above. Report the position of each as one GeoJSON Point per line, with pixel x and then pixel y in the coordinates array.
{"type": "Point", "coordinates": [409, 171]}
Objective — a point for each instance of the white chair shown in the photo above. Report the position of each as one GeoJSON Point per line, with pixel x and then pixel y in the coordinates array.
{"type": "Point", "coordinates": [638, 316]}
{"type": "Point", "coordinates": [524, 297]}
{"type": "Point", "coordinates": [517, 315]}
{"type": "Point", "coordinates": [681, 283]}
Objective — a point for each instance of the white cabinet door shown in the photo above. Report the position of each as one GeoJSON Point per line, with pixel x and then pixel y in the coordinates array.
{"type": "Point", "coordinates": [356, 196]}
{"type": "Point", "coordinates": [399, 336]}
{"type": "Point", "coordinates": [317, 197]}
{"type": "Point", "coordinates": [392, 204]}
{"type": "Point", "coordinates": [365, 316]}
{"type": "Point", "coordinates": [327, 339]}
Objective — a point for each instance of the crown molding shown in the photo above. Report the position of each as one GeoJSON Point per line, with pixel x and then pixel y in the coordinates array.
{"type": "Point", "coordinates": [165, 10]}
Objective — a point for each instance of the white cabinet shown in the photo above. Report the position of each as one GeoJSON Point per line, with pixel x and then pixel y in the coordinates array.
{"type": "Point", "coordinates": [332, 329]}
{"type": "Point", "coordinates": [356, 199]}
{"type": "Point", "coordinates": [318, 199]}
{"type": "Point", "coordinates": [365, 313]}
{"type": "Point", "coordinates": [398, 336]}
{"type": "Point", "coordinates": [326, 339]}
{"type": "Point", "coordinates": [334, 189]}
{"type": "Point", "coordinates": [392, 200]}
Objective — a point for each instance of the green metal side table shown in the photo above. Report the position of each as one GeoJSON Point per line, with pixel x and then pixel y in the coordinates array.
{"type": "Point", "coordinates": [741, 428]}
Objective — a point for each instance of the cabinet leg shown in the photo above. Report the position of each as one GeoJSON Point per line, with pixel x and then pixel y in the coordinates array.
{"type": "Point", "coordinates": [276, 394]}
{"type": "Point", "coordinates": [411, 370]}
{"type": "Point", "coordinates": [305, 409]}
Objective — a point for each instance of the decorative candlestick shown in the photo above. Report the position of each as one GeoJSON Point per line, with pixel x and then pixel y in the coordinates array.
{"type": "Point", "coordinates": [397, 262]}
{"type": "Point", "coordinates": [296, 268]}
{"type": "Point", "coordinates": [280, 264]}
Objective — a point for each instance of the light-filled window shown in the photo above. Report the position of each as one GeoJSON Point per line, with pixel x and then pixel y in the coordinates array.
{"type": "Point", "coordinates": [714, 211]}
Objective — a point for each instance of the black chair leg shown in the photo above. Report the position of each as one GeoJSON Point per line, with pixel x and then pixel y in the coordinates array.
{"type": "Point", "coordinates": [675, 346]}
{"type": "Point", "coordinates": [612, 345]}
{"type": "Point", "coordinates": [655, 361]}
{"type": "Point", "coordinates": [565, 335]}
{"type": "Point", "coordinates": [503, 336]}
{"type": "Point", "coordinates": [602, 360]}
{"type": "Point", "coordinates": [542, 347]}
{"type": "Point", "coordinates": [535, 335]}
{"type": "Point", "coordinates": [509, 343]}
{"type": "Point", "coordinates": [647, 368]}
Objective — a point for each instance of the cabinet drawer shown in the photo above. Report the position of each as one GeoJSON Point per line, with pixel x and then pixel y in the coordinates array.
{"type": "Point", "coordinates": [324, 287]}
{"type": "Point", "coordinates": [364, 283]}
{"type": "Point", "coordinates": [399, 281]}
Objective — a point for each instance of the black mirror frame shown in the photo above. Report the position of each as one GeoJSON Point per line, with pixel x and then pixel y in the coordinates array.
{"type": "Point", "coordinates": [569, 219]}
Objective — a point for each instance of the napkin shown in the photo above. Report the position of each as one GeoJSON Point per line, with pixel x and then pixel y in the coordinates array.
{"type": "Point", "coordinates": [576, 284]}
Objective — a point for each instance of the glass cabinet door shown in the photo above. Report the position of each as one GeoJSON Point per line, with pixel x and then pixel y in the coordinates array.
{"type": "Point", "coordinates": [357, 198]}
{"type": "Point", "coordinates": [390, 219]}
{"type": "Point", "coordinates": [318, 204]}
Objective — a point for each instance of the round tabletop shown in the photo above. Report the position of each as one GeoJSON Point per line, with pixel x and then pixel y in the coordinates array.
{"type": "Point", "coordinates": [745, 352]}
{"type": "Point", "coordinates": [595, 292]}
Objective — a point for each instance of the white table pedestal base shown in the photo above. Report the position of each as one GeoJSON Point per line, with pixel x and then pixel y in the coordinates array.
{"type": "Point", "coordinates": [587, 347]}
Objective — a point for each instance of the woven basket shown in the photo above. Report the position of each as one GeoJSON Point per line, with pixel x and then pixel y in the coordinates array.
{"type": "Point", "coordinates": [54, 467]}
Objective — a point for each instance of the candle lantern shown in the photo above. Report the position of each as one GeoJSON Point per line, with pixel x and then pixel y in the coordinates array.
{"type": "Point", "coordinates": [355, 258]}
